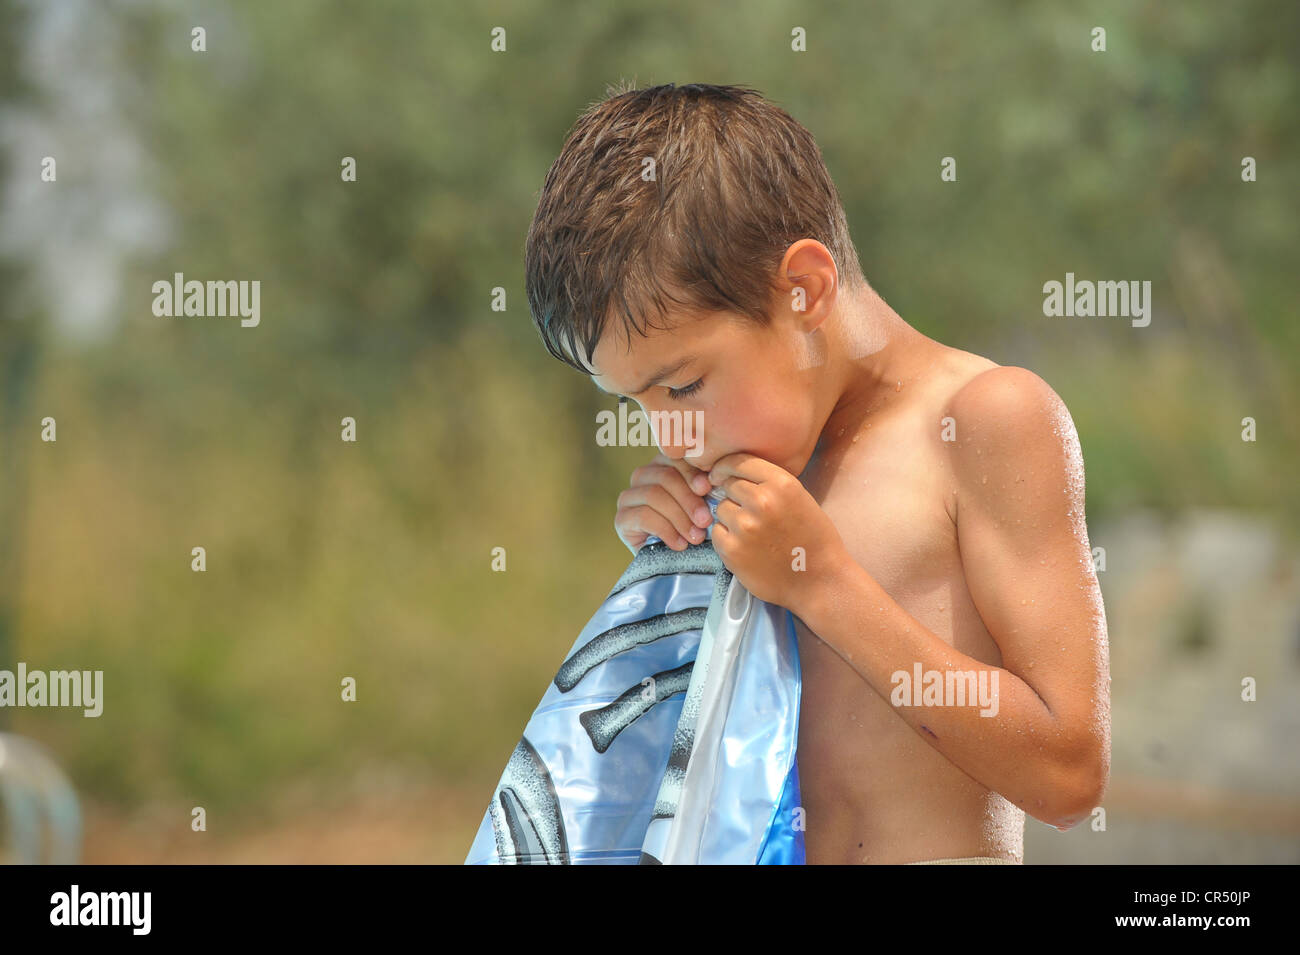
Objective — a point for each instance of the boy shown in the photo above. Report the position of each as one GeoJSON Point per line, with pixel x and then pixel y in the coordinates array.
{"type": "Point", "coordinates": [918, 509]}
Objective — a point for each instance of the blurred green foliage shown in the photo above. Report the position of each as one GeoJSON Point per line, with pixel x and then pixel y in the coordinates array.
{"type": "Point", "coordinates": [372, 560]}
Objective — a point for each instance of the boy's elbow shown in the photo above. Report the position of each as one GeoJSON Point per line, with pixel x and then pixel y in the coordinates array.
{"type": "Point", "coordinates": [1077, 805]}
{"type": "Point", "coordinates": [1084, 792]}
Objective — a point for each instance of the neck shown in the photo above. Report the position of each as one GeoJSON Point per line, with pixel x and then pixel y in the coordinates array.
{"type": "Point", "coordinates": [872, 349]}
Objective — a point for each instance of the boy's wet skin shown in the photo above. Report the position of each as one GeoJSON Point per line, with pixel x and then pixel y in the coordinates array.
{"type": "Point", "coordinates": [874, 791]}
{"type": "Point", "coordinates": [859, 419]}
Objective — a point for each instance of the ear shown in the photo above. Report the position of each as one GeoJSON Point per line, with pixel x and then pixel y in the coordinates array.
{"type": "Point", "coordinates": [809, 283]}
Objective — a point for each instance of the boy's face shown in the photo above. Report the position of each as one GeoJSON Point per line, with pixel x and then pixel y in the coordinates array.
{"type": "Point", "coordinates": [755, 387]}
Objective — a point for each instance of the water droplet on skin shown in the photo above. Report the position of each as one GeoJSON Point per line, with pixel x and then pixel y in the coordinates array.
{"type": "Point", "coordinates": [855, 437]}
{"type": "Point", "coordinates": [985, 480]}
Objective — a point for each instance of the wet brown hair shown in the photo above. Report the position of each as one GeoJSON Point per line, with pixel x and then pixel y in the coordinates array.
{"type": "Point", "coordinates": [736, 181]}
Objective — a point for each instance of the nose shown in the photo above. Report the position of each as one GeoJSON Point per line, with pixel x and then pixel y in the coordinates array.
{"type": "Point", "coordinates": [679, 435]}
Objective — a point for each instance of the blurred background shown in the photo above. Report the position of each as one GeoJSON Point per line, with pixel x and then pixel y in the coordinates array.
{"type": "Point", "coordinates": [372, 560]}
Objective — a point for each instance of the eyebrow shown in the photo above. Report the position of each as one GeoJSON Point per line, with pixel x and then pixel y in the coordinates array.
{"type": "Point", "coordinates": [660, 375]}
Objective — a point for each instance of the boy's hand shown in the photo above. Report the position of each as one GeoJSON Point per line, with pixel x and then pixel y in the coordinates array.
{"type": "Point", "coordinates": [766, 516]}
{"type": "Point", "coordinates": [661, 502]}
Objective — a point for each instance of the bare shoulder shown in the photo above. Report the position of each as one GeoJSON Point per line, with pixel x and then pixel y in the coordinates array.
{"type": "Point", "coordinates": [1011, 427]}
{"type": "Point", "coordinates": [1006, 396]}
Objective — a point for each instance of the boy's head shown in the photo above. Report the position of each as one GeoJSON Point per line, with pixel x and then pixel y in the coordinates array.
{"type": "Point", "coordinates": [695, 221]}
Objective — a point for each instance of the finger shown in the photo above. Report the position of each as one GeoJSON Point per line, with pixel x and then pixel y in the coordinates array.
{"type": "Point", "coordinates": [636, 515]}
{"type": "Point", "coordinates": [695, 478]}
{"type": "Point", "coordinates": [728, 511]}
{"type": "Point", "coordinates": [692, 505]}
{"type": "Point", "coordinates": [632, 540]}
{"type": "Point", "coordinates": [742, 464]}
{"type": "Point", "coordinates": [650, 522]}
{"type": "Point", "coordinates": [740, 491]}
{"type": "Point", "coordinates": [722, 539]}
{"type": "Point", "coordinates": [682, 466]}
{"type": "Point", "coordinates": [735, 518]}
{"type": "Point", "coordinates": [657, 498]}
{"type": "Point", "coordinates": [662, 500]}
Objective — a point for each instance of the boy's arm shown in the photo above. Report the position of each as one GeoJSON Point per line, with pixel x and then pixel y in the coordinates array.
{"type": "Point", "coordinates": [1028, 567]}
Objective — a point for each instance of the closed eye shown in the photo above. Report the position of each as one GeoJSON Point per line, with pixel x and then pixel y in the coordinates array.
{"type": "Point", "coordinates": [677, 394]}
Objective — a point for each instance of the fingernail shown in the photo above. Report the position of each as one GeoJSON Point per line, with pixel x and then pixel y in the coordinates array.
{"type": "Point", "coordinates": [701, 483]}
{"type": "Point", "coordinates": [697, 534]}
{"type": "Point", "coordinates": [703, 517]}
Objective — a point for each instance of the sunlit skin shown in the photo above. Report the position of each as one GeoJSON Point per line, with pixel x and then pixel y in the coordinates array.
{"type": "Point", "coordinates": [937, 500]}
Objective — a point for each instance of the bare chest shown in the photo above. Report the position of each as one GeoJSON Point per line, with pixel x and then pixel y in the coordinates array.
{"type": "Point", "coordinates": [890, 495]}
{"type": "Point", "coordinates": [870, 780]}
{"type": "Point", "coordinates": [888, 491]}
